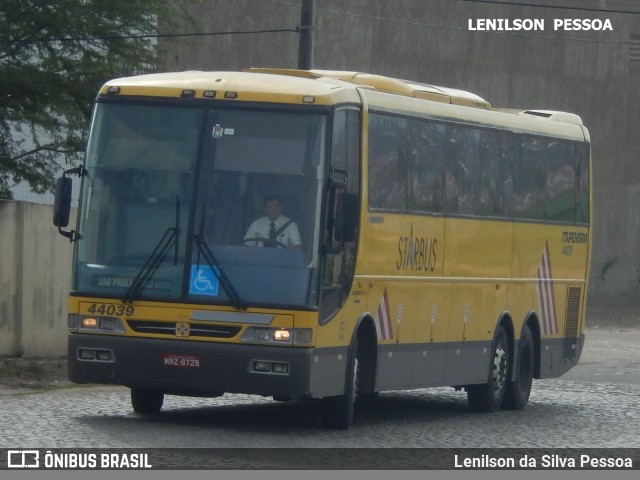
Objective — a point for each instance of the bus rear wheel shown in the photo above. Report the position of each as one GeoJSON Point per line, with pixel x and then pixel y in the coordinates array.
{"type": "Point", "coordinates": [146, 400]}
{"type": "Point", "coordinates": [337, 412]}
{"type": "Point", "coordinates": [519, 390]}
{"type": "Point", "coordinates": [488, 397]}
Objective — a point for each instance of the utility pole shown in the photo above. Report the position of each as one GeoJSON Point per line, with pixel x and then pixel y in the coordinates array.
{"type": "Point", "coordinates": [305, 49]}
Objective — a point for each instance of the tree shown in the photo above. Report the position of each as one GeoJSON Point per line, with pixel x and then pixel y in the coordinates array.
{"type": "Point", "coordinates": [54, 56]}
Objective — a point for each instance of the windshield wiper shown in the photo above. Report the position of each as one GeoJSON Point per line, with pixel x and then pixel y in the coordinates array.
{"type": "Point", "coordinates": [156, 258]}
{"type": "Point", "coordinates": [212, 261]}
{"type": "Point", "coordinates": [151, 265]}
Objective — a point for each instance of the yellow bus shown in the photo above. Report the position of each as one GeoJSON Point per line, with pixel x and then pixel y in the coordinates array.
{"type": "Point", "coordinates": [325, 235]}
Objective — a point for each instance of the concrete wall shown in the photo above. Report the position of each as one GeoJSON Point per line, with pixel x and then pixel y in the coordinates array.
{"type": "Point", "coordinates": [593, 74]}
{"type": "Point", "coordinates": [35, 276]}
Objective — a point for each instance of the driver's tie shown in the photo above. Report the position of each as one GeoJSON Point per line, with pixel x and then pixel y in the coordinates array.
{"type": "Point", "coordinates": [272, 232]}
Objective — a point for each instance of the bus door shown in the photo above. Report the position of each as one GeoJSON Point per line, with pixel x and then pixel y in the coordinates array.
{"type": "Point", "coordinates": [342, 207]}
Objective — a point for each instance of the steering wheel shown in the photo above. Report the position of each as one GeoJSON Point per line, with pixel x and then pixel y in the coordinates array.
{"type": "Point", "coordinates": [265, 241]}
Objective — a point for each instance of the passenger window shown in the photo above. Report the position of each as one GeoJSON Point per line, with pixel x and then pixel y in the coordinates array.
{"type": "Point", "coordinates": [387, 162]}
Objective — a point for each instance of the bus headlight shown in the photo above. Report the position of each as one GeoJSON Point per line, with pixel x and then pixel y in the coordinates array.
{"type": "Point", "coordinates": [278, 336]}
{"type": "Point", "coordinates": [100, 324]}
{"type": "Point", "coordinates": [89, 323]}
{"type": "Point", "coordinates": [282, 335]}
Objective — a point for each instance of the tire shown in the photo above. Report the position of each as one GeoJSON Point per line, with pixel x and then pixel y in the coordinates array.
{"type": "Point", "coordinates": [488, 397]}
{"type": "Point", "coordinates": [518, 391]}
{"type": "Point", "coordinates": [146, 400]}
{"type": "Point", "coordinates": [337, 412]}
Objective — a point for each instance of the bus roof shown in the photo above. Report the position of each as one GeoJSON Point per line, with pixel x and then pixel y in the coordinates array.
{"type": "Point", "coordinates": [329, 87]}
{"type": "Point", "coordinates": [239, 86]}
{"type": "Point", "coordinates": [389, 85]}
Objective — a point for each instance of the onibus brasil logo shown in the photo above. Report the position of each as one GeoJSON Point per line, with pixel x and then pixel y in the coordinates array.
{"type": "Point", "coordinates": [23, 459]}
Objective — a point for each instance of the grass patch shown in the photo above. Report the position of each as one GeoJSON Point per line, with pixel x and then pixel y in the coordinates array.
{"type": "Point", "coordinates": [33, 373]}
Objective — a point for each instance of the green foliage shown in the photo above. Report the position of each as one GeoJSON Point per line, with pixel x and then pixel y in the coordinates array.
{"type": "Point", "coordinates": [54, 56]}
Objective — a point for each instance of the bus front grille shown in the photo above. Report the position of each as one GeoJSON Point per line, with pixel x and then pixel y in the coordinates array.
{"type": "Point", "coordinates": [194, 329]}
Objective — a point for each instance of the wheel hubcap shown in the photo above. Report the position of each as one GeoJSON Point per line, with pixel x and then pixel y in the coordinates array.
{"type": "Point", "coordinates": [499, 373]}
{"type": "Point", "coordinates": [355, 378]}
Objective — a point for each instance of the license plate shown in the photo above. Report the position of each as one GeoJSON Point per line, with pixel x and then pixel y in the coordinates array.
{"type": "Point", "coordinates": [182, 361]}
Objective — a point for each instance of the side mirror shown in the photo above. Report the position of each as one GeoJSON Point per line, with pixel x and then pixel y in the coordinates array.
{"type": "Point", "coordinates": [62, 202]}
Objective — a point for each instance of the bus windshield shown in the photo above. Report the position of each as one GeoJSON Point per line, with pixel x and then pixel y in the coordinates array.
{"type": "Point", "coordinates": [202, 205]}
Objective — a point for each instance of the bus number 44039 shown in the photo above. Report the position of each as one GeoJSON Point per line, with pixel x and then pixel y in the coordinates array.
{"type": "Point", "coordinates": [118, 310]}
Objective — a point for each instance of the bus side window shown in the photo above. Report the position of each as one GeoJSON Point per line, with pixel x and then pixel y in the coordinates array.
{"type": "Point", "coordinates": [387, 162]}
{"type": "Point", "coordinates": [560, 182]}
{"type": "Point", "coordinates": [495, 180]}
{"type": "Point", "coordinates": [425, 149]}
{"type": "Point", "coordinates": [582, 183]}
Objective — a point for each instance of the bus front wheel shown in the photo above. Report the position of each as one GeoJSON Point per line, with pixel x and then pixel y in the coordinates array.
{"type": "Point", "coordinates": [488, 397]}
{"type": "Point", "coordinates": [146, 400]}
{"type": "Point", "coordinates": [337, 412]}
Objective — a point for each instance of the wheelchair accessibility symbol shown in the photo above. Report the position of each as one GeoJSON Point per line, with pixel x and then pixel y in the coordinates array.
{"type": "Point", "coordinates": [203, 281]}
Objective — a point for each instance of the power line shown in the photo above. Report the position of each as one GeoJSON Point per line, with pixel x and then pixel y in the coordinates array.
{"type": "Point", "coordinates": [164, 35]}
{"type": "Point", "coordinates": [510, 3]}
{"type": "Point", "coordinates": [288, 4]}
{"type": "Point", "coordinates": [357, 15]}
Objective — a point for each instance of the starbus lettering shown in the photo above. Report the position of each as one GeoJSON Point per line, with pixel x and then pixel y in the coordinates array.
{"type": "Point", "coordinates": [416, 253]}
{"type": "Point", "coordinates": [574, 237]}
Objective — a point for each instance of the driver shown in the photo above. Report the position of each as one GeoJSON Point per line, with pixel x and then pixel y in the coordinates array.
{"type": "Point", "coordinates": [273, 229]}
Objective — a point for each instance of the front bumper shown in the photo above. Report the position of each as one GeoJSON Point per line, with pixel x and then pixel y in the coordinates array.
{"type": "Point", "coordinates": [205, 369]}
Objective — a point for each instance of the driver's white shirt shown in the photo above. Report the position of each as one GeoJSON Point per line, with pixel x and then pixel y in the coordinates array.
{"type": "Point", "coordinates": [260, 228]}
